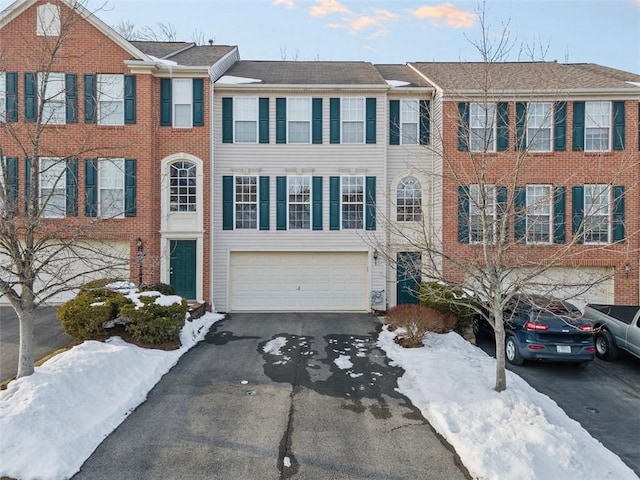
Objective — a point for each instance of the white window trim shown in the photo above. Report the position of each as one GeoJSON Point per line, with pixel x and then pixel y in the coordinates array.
{"type": "Point", "coordinates": [472, 203]}
{"type": "Point", "coordinates": [48, 20]}
{"type": "Point", "coordinates": [550, 117]}
{"type": "Point", "coordinates": [3, 97]}
{"type": "Point", "coordinates": [609, 213]}
{"type": "Point", "coordinates": [256, 120]}
{"type": "Point", "coordinates": [101, 161]}
{"type": "Point", "coordinates": [416, 118]}
{"type": "Point", "coordinates": [100, 80]}
{"type": "Point", "coordinates": [493, 146]}
{"type": "Point", "coordinates": [310, 203]}
{"type": "Point", "coordinates": [174, 103]}
{"type": "Point", "coordinates": [309, 119]}
{"type": "Point", "coordinates": [610, 126]}
{"type": "Point", "coordinates": [257, 202]}
{"type": "Point", "coordinates": [363, 203]}
{"type": "Point", "coordinates": [62, 179]}
{"type": "Point", "coordinates": [343, 121]}
{"type": "Point", "coordinates": [551, 213]}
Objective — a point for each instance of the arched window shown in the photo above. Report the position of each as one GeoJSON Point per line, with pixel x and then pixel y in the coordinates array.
{"type": "Point", "coordinates": [183, 187]}
{"type": "Point", "coordinates": [409, 200]}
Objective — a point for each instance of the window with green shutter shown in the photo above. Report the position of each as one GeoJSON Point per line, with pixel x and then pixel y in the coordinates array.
{"type": "Point", "coordinates": [371, 120]}
{"type": "Point", "coordinates": [227, 202]}
{"type": "Point", "coordinates": [91, 187]}
{"type": "Point", "coordinates": [198, 102]}
{"type": "Point", "coordinates": [334, 203]}
{"type": "Point", "coordinates": [90, 98]}
{"type": "Point", "coordinates": [560, 126]}
{"type": "Point", "coordinates": [130, 187]}
{"type": "Point", "coordinates": [394, 122]}
{"type": "Point", "coordinates": [12, 181]}
{"type": "Point", "coordinates": [463, 127]}
{"type": "Point", "coordinates": [227, 120]}
{"type": "Point", "coordinates": [334, 120]}
{"type": "Point", "coordinates": [263, 120]}
{"type": "Point", "coordinates": [425, 122]}
{"type": "Point", "coordinates": [11, 97]}
{"type": "Point", "coordinates": [264, 203]}
{"type": "Point", "coordinates": [165, 102]}
{"type": "Point", "coordinates": [559, 214]}
{"type": "Point", "coordinates": [281, 120]}
{"type": "Point", "coordinates": [370, 192]}
{"type": "Point", "coordinates": [71, 97]}
{"type": "Point", "coordinates": [503, 126]}
{"type": "Point", "coordinates": [316, 107]}
{"type": "Point", "coordinates": [30, 97]}
{"type": "Point", "coordinates": [578, 126]}
{"type": "Point", "coordinates": [463, 214]}
{"type": "Point", "coordinates": [317, 203]}
{"type": "Point", "coordinates": [72, 187]}
{"type": "Point", "coordinates": [281, 203]}
{"type": "Point", "coordinates": [129, 99]}
{"type": "Point", "coordinates": [618, 126]}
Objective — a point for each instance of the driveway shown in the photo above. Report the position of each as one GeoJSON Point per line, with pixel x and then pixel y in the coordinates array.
{"type": "Point", "coordinates": [275, 396]}
{"type": "Point", "coordinates": [48, 337]}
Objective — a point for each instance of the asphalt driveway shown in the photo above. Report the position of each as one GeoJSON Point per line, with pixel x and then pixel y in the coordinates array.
{"type": "Point", "coordinates": [274, 396]}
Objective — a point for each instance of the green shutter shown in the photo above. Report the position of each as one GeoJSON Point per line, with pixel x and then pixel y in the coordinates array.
{"type": "Point", "coordinates": [521, 120]}
{"type": "Point", "coordinates": [227, 202]}
{"type": "Point", "coordinates": [463, 131]}
{"type": "Point", "coordinates": [90, 187]}
{"type": "Point", "coordinates": [264, 203]}
{"type": "Point", "coordinates": [90, 99]}
{"type": "Point", "coordinates": [520, 220]}
{"type": "Point", "coordinates": [72, 187]}
{"type": "Point", "coordinates": [560, 126]}
{"type": "Point", "coordinates": [425, 122]}
{"type": "Point", "coordinates": [334, 203]}
{"type": "Point", "coordinates": [618, 214]}
{"type": "Point", "coordinates": [371, 120]}
{"type": "Point", "coordinates": [129, 99]}
{"type": "Point", "coordinates": [317, 203]}
{"type": "Point", "coordinates": [577, 211]}
{"type": "Point", "coordinates": [12, 180]}
{"type": "Point", "coordinates": [370, 195]}
{"type": "Point", "coordinates": [130, 187]}
{"type": "Point", "coordinates": [503, 126]}
{"type": "Point", "coordinates": [316, 120]}
{"type": "Point", "coordinates": [27, 184]}
{"type": "Point", "coordinates": [263, 120]}
{"type": "Point", "coordinates": [198, 102]}
{"type": "Point", "coordinates": [12, 97]}
{"type": "Point", "coordinates": [463, 214]}
{"type": "Point", "coordinates": [394, 122]}
{"type": "Point", "coordinates": [559, 214]}
{"type": "Point", "coordinates": [502, 207]}
{"type": "Point", "coordinates": [30, 97]}
{"type": "Point", "coordinates": [618, 125]}
{"type": "Point", "coordinates": [165, 102]}
{"type": "Point", "coordinates": [71, 97]}
{"type": "Point", "coordinates": [281, 203]}
{"type": "Point", "coordinates": [281, 120]}
{"type": "Point", "coordinates": [334, 120]}
{"type": "Point", "coordinates": [227, 121]}
{"type": "Point", "coordinates": [578, 126]}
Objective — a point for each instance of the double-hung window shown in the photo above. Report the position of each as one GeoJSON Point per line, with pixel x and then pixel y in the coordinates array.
{"type": "Point", "coordinates": [539, 208]}
{"type": "Point", "coordinates": [52, 98]}
{"type": "Point", "coordinates": [482, 126]}
{"type": "Point", "coordinates": [111, 187]}
{"type": "Point", "coordinates": [182, 180]}
{"type": "Point", "coordinates": [352, 118]}
{"type": "Point", "coordinates": [597, 212]}
{"type": "Point", "coordinates": [52, 187]}
{"type": "Point", "coordinates": [482, 213]}
{"type": "Point", "coordinates": [597, 124]}
{"type": "Point", "coordinates": [182, 102]}
{"type": "Point", "coordinates": [246, 202]}
{"type": "Point", "coordinates": [110, 99]}
{"type": "Point", "coordinates": [539, 121]}
{"type": "Point", "coordinates": [299, 201]}
{"type": "Point", "coordinates": [352, 202]}
{"type": "Point", "coordinates": [48, 20]}
{"type": "Point", "coordinates": [299, 120]}
{"type": "Point", "coordinates": [245, 115]}
{"type": "Point", "coordinates": [409, 200]}
{"type": "Point", "coordinates": [409, 116]}
{"type": "Point", "coordinates": [3, 97]}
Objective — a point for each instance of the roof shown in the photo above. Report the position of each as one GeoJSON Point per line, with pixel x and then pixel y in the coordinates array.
{"type": "Point", "coordinates": [526, 76]}
{"type": "Point", "coordinates": [401, 76]}
{"type": "Point", "coordinates": [160, 49]}
{"type": "Point", "coordinates": [306, 73]}
{"type": "Point", "coordinates": [201, 55]}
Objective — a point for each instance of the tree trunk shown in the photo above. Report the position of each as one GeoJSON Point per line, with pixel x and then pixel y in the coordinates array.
{"type": "Point", "coordinates": [501, 374]}
{"type": "Point", "coordinates": [25, 363]}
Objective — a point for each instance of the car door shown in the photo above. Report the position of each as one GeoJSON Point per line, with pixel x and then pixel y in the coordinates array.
{"type": "Point", "coordinates": [633, 336]}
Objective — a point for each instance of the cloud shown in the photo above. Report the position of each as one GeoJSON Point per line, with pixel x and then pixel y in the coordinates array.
{"type": "Point", "coordinates": [286, 3]}
{"type": "Point", "coordinates": [376, 23]}
{"type": "Point", "coordinates": [327, 7]}
{"type": "Point", "coordinates": [446, 14]}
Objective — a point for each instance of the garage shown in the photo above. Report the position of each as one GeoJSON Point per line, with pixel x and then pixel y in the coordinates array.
{"type": "Point", "coordinates": [298, 281]}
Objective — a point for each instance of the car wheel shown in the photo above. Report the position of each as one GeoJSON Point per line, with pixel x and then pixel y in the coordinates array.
{"type": "Point", "coordinates": [512, 352]}
{"type": "Point", "coordinates": [605, 347]}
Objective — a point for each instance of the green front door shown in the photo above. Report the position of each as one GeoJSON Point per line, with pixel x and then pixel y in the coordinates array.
{"type": "Point", "coordinates": [183, 267]}
{"type": "Point", "coordinates": [408, 277]}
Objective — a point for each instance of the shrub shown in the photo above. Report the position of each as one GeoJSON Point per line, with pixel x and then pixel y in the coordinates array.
{"type": "Point", "coordinates": [163, 288]}
{"type": "Point", "coordinates": [415, 321]}
{"type": "Point", "coordinates": [83, 317]}
{"type": "Point", "coordinates": [99, 283]}
{"type": "Point", "coordinates": [154, 324]}
{"type": "Point", "coordinates": [448, 299]}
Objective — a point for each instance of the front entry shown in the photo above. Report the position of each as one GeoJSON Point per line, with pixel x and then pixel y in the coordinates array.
{"type": "Point", "coordinates": [182, 267]}
{"type": "Point", "coordinates": [408, 277]}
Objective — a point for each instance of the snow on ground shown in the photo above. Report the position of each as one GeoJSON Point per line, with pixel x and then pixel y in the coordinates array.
{"type": "Point", "coordinates": [273, 346]}
{"type": "Point", "coordinates": [232, 80]}
{"type": "Point", "coordinates": [343, 362]}
{"type": "Point", "coordinates": [519, 433]}
{"type": "Point", "coordinates": [53, 420]}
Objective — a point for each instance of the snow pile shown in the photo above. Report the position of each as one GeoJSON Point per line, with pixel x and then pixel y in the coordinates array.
{"type": "Point", "coordinates": [273, 346]}
{"type": "Point", "coordinates": [232, 80]}
{"type": "Point", "coordinates": [343, 362]}
{"type": "Point", "coordinates": [53, 420]}
{"type": "Point", "coordinates": [519, 433]}
{"type": "Point", "coordinates": [397, 83]}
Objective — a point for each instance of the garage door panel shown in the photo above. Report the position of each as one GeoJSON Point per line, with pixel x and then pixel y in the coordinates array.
{"type": "Point", "coordinates": [311, 281]}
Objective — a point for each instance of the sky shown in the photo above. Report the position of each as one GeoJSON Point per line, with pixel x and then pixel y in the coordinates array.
{"type": "Point", "coordinates": [606, 32]}
{"type": "Point", "coordinates": [518, 433]}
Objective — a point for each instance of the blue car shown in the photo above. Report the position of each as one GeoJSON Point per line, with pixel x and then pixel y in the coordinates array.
{"type": "Point", "coordinates": [543, 329]}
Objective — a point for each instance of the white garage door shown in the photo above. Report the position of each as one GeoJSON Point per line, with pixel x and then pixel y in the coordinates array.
{"type": "Point", "coordinates": [296, 281]}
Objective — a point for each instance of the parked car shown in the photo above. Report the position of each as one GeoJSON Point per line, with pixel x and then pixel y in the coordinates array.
{"type": "Point", "coordinates": [616, 327]}
{"type": "Point", "coordinates": [543, 329]}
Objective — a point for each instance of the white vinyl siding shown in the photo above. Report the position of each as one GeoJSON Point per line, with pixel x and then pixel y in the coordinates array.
{"type": "Point", "coordinates": [110, 99]}
{"type": "Point", "coordinates": [409, 116]}
{"type": "Point", "coordinates": [48, 20]}
{"type": "Point", "coordinates": [597, 125]}
{"type": "Point", "coordinates": [182, 98]}
{"type": "Point", "coordinates": [111, 187]}
{"type": "Point", "coordinates": [52, 98]}
{"type": "Point", "coordinates": [597, 213]}
{"type": "Point", "coordinates": [299, 120]}
{"type": "Point", "coordinates": [482, 127]}
{"type": "Point", "coordinates": [245, 119]}
{"type": "Point", "coordinates": [52, 187]}
{"type": "Point", "coordinates": [539, 208]}
{"type": "Point", "coordinates": [539, 122]}
{"type": "Point", "coordinates": [352, 118]}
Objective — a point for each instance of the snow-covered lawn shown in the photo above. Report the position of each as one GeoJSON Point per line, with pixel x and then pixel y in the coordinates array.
{"type": "Point", "coordinates": [516, 434]}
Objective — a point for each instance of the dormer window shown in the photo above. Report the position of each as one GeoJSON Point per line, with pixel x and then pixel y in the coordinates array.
{"type": "Point", "coordinates": [48, 20]}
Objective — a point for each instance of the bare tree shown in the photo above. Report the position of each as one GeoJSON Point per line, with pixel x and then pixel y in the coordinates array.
{"type": "Point", "coordinates": [127, 29]}
{"type": "Point", "coordinates": [46, 248]}
{"type": "Point", "coordinates": [162, 32]}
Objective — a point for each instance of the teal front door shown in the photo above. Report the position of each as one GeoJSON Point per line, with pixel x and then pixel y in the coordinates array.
{"type": "Point", "coordinates": [408, 277]}
{"type": "Point", "coordinates": [182, 273]}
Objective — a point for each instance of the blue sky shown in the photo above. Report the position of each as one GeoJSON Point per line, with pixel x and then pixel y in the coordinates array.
{"type": "Point", "coordinates": [397, 31]}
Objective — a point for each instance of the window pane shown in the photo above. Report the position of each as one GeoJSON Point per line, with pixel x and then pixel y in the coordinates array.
{"type": "Point", "coordinates": [182, 187]}
{"type": "Point", "coordinates": [110, 99]}
{"type": "Point", "coordinates": [352, 132]}
{"type": "Point", "coordinates": [53, 183]}
{"type": "Point", "coordinates": [352, 116]}
{"type": "Point", "coordinates": [3, 97]}
{"type": "Point", "coordinates": [481, 127]}
{"type": "Point", "coordinates": [539, 127]}
{"type": "Point", "coordinates": [409, 201]}
{"type": "Point", "coordinates": [352, 202]}
{"type": "Point", "coordinates": [482, 213]}
{"type": "Point", "coordinates": [53, 98]}
{"type": "Point", "coordinates": [596, 213]}
{"type": "Point", "coordinates": [246, 202]}
{"type": "Point", "coordinates": [111, 186]}
{"type": "Point", "coordinates": [597, 126]}
{"type": "Point", "coordinates": [246, 132]}
{"type": "Point", "coordinates": [182, 115]}
{"type": "Point", "coordinates": [299, 132]}
{"type": "Point", "coordinates": [409, 115]}
{"type": "Point", "coordinates": [299, 197]}
{"type": "Point", "coordinates": [539, 201]}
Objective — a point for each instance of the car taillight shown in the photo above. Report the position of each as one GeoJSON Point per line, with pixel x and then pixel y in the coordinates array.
{"type": "Point", "coordinates": [590, 349]}
{"type": "Point", "coordinates": [536, 347]}
{"type": "Point", "coordinates": [535, 326]}
{"type": "Point", "coordinates": [586, 328]}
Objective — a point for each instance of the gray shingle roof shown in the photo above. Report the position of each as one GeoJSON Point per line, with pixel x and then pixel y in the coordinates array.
{"type": "Point", "coordinates": [307, 73]}
{"type": "Point", "coordinates": [526, 76]}
{"type": "Point", "coordinates": [160, 49]}
{"type": "Point", "coordinates": [402, 73]}
{"type": "Point", "coordinates": [201, 55]}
